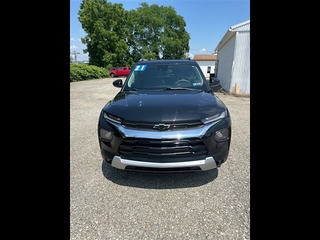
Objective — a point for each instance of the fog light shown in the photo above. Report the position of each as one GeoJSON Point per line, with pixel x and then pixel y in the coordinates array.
{"type": "Point", "coordinates": [221, 135]}
{"type": "Point", "coordinates": [105, 134]}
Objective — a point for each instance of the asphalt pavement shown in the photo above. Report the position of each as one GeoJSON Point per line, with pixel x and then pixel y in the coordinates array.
{"type": "Point", "coordinates": [110, 204]}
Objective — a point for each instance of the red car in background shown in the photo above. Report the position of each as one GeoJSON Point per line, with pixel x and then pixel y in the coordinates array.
{"type": "Point", "coordinates": [119, 71]}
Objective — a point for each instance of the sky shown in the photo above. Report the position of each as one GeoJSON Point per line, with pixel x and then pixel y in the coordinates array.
{"type": "Point", "coordinates": [207, 21]}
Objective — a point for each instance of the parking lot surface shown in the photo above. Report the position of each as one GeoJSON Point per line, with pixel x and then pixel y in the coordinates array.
{"type": "Point", "coordinates": [107, 203]}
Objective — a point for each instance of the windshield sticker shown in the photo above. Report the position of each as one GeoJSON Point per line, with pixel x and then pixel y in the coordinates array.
{"type": "Point", "coordinates": [140, 68]}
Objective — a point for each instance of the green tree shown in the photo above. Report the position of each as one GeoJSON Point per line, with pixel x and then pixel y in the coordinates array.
{"type": "Point", "coordinates": [157, 32]}
{"type": "Point", "coordinates": [118, 37]}
{"type": "Point", "coordinates": [105, 25]}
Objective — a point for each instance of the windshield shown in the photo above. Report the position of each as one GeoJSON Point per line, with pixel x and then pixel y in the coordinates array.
{"type": "Point", "coordinates": [175, 76]}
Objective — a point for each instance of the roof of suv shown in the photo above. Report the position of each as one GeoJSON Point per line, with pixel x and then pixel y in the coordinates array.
{"type": "Point", "coordinates": [166, 61]}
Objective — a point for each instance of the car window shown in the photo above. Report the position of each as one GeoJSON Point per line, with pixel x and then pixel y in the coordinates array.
{"type": "Point", "coordinates": [165, 76]}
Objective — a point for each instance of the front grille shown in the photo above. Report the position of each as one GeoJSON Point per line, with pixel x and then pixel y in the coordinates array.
{"type": "Point", "coordinates": [173, 126]}
{"type": "Point", "coordinates": [153, 150]}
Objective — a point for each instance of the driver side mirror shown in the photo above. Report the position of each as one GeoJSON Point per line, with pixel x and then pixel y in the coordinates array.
{"type": "Point", "coordinates": [117, 83]}
{"type": "Point", "coordinates": [214, 81]}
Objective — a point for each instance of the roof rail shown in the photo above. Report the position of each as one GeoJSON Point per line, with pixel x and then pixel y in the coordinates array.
{"type": "Point", "coordinates": [143, 59]}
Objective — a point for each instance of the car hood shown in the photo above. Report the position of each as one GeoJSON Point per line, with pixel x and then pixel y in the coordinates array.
{"type": "Point", "coordinates": [164, 106]}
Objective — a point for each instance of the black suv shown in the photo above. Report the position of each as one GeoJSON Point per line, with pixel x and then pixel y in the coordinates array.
{"type": "Point", "coordinates": [165, 118]}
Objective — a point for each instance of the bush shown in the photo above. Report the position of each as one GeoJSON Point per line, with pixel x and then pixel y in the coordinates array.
{"type": "Point", "coordinates": [81, 72]}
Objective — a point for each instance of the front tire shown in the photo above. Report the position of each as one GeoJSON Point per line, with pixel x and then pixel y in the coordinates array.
{"type": "Point", "coordinates": [112, 75]}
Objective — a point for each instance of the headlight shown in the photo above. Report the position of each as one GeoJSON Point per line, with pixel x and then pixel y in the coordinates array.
{"type": "Point", "coordinates": [112, 118]}
{"type": "Point", "coordinates": [105, 134]}
{"type": "Point", "coordinates": [221, 135]}
{"type": "Point", "coordinates": [215, 117]}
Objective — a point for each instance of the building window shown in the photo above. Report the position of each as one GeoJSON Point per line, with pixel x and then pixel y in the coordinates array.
{"type": "Point", "coordinates": [208, 69]}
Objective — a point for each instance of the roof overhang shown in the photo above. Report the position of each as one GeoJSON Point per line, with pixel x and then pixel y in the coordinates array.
{"type": "Point", "coordinates": [230, 33]}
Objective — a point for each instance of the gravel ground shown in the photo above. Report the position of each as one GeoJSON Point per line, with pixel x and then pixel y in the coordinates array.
{"type": "Point", "coordinates": [107, 203]}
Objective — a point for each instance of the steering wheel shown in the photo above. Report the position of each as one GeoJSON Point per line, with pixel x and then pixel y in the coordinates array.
{"type": "Point", "coordinates": [182, 81]}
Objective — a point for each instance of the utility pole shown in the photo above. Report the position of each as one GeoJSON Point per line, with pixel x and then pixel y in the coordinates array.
{"type": "Point", "coordinates": [75, 55]}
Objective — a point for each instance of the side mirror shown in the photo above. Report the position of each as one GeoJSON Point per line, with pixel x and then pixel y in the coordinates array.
{"type": "Point", "coordinates": [117, 83]}
{"type": "Point", "coordinates": [214, 82]}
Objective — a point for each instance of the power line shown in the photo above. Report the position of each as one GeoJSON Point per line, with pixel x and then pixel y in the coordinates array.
{"type": "Point", "coordinates": [75, 55]}
{"type": "Point", "coordinates": [83, 56]}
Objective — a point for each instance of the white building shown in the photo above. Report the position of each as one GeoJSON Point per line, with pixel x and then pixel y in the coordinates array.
{"type": "Point", "coordinates": [206, 62]}
{"type": "Point", "coordinates": [233, 59]}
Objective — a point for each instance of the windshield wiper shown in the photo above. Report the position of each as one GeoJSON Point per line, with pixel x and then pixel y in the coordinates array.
{"type": "Point", "coordinates": [178, 88]}
{"type": "Point", "coordinates": [130, 89]}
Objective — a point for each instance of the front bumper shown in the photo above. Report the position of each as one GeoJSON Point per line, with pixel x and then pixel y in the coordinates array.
{"type": "Point", "coordinates": [205, 164]}
{"type": "Point", "coordinates": [184, 150]}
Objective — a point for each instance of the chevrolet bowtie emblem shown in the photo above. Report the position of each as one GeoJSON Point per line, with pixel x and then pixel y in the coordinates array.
{"type": "Point", "coordinates": [161, 126]}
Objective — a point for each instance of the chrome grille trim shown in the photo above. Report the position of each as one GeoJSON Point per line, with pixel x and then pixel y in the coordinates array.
{"type": "Point", "coordinates": [169, 134]}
